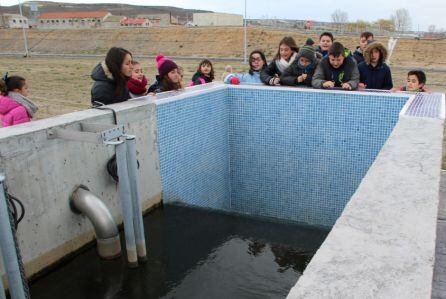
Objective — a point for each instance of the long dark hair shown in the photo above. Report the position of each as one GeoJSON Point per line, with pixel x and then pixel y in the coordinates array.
{"type": "Point", "coordinates": [11, 83]}
{"type": "Point", "coordinates": [204, 62]}
{"type": "Point", "coordinates": [114, 60]}
{"type": "Point", "coordinates": [251, 71]}
{"type": "Point", "coordinates": [166, 84]}
{"type": "Point", "coordinates": [290, 42]}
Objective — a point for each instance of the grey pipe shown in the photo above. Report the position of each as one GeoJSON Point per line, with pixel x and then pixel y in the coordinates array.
{"type": "Point", "coordinates": [126, 203]}
{"type": "Point", "coordinates": [82, 201]}
{"type": "Point", "coordinates": [7, 246]}
{"type": "Point", "coordinates": [136, 198]}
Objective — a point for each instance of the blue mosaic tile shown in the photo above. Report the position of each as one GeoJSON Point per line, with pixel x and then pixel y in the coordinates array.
{"type": "Point", "coordinates": [288, 154]}
{"type": "Point", "coordinates": [426, 105]}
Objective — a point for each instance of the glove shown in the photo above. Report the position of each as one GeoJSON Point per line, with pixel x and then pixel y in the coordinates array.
{"type": "Point", "coordinates": [235, 80]}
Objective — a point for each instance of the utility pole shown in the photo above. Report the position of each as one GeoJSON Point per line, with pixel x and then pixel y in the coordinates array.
{"type": "Point", "coordinates": [245, 39]}
{"type": "Point", "coordinates": [25, 39]}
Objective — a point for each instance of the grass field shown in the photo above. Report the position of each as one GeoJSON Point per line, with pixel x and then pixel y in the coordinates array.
{"type": "Point", "coordinates": [62, 85]}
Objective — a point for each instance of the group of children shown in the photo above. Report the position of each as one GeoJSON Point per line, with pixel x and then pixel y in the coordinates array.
{"type": "Point", "coordinates": [328, 65]}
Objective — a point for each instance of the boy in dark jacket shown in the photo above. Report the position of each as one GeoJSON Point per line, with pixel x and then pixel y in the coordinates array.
{"type": "Point", "coordinates": [364, 40]}
{"type": "Point", "coordinates": [373, 71]}
{"type": "Point", "coordinates": [301, 71]}
{"type": "Point", "coordinates": [336, 70]}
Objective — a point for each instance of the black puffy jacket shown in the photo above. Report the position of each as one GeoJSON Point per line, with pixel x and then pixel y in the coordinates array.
{"type": "Point", "coordinates": [104, 87]}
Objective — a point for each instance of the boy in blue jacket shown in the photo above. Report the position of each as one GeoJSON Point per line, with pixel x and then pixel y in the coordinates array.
{"type": "Point", "coordinates": [374, 73]}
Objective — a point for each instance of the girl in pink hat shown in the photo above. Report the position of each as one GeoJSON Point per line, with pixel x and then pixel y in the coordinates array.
{"type": "Point", "coordinates": [169, 77]}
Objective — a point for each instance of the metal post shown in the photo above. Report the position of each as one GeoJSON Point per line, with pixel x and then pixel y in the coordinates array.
{"type": "Point", "coordinates": [25, 39]}
{"type": "Point", "coordinates": [136, 198]}
{"type": "Point", "coordinates": [126, 203]}
{"type": "Point", "coordinates": [245, 60]}
{"type": "Point", "coordinates": [8, 250]}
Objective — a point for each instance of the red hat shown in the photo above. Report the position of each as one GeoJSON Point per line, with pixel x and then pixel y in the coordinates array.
{"type": "Point", "coordinates": [164, 65]}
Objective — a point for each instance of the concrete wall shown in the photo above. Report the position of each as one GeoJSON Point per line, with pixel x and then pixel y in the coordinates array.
{"type": "Point", "coordinates": [217, 19]}
{"type": "Point", "coordinates": [43, 172]}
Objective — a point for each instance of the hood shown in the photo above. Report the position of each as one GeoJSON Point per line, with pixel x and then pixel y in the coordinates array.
{"type": "Point", "coordinates": [101, 73]}
{"type": "Point", "coordinates": [375, 45]}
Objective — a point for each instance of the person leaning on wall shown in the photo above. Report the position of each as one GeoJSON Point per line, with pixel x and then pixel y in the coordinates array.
{"type": "Point", "coordinates": [110, 77]}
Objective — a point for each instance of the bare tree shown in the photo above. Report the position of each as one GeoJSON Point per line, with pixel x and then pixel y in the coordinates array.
{"type": "Point", "coordinates": [402, 20]}
{"type": "Point", "coordinates": [431, 28]}
{"type": "Point", "coordinates": [339, 18]}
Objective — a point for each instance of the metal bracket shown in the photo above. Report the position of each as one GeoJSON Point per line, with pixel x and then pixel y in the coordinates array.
{"type": "Point", "coordinates": [93, 133]}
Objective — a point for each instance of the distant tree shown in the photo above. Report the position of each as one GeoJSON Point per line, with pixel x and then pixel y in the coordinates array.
{"type": "Point", "coordinates": [431, 28]}
{"type": "Point", "coordinates": [383, 24]}
{"type": "Point", "coordinates": [402, 20]}
{"type": "Point", "coordinates": [358, 26]}
{"type": "Point", "coordinates": [339, 18]}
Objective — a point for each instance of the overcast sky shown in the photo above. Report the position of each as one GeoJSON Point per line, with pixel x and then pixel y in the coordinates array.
{"type": "Point", "coordinates": [423, 13]}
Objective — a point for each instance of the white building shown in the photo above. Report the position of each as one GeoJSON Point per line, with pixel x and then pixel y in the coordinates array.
{"type": "Point", "coordinates": [13, 21]}
{"type": "Point", "coordinates": [217, 19]}
{"type": "Point", "coordinates": [67, 20]}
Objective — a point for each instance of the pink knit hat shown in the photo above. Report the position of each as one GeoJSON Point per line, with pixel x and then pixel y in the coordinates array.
{"type": "Point", "coordinates": [164, 65]}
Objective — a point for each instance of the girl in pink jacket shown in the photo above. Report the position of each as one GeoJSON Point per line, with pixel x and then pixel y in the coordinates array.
{"type": "Point", "coordinates": [15, 107]}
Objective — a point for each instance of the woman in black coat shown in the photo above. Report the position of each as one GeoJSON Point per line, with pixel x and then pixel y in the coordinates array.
{"type": "Point", "coordinates": [111, 76]}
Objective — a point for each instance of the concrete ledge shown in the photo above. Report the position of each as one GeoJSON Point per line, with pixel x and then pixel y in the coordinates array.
{"type": "Point", "coordinates": [383, 245]}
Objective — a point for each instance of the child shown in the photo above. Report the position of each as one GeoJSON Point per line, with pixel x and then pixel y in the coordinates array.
{"type": "Point", "coordinates": [257, 63]}
{"type": "Point", "coordinates": [302, 70]}
{"type": "Point", "coordinates": [416, 81]}
{"type": "Point", "coordinates": [373, 71]}
{"type": "Point", "coordinates": [285, 56]}
{"type": "Point", "coordinates": [364, 40]}
{"type": "Point", "coordinates": [325, 42]}
{"type": "Point", "coordinates": [15, 107]}
{"type": "Point", "coordinates": [169, 77]}
{"type": "Point", "coordinates": [138, 82]}
{"type": "Point", "coordinates": [336, 70]}
{"type": "Point", "coordinates": [204, 74]}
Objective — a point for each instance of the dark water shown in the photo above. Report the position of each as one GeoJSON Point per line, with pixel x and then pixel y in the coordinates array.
{"type": "Point", "coordinates": [193, 253]}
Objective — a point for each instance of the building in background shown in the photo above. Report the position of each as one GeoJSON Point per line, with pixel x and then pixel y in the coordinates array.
{"type": "Point", "coordinates": [13, 21]}
{"type": "Point", "coordinates": [217, 19]}
{"type": "Point", "coordinates": [67, 20]}
{"type": "Point", "coordinates": [112, 21]}
{"type": "Point", "coordinates": [135, 22]}
{"type": "Point", "coordinates": [160, 19]}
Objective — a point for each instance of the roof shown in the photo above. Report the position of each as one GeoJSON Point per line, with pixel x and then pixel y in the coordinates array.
{"type": "Point", "coordinates": [133, 21]}
{"type": "Point", "coordinates": [114, 19]}
{"type": "Point", "coordinates": [73, 15]}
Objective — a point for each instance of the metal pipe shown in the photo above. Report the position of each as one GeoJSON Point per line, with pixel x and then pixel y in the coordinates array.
{"type": "Point", "coordinates": [8, 250]}
{"type": "Point", "coordinates": [82, 201]}
{"type": "Point", "coordinates": [126, 203]}
{"type": "Point", "coordinates": [136, 198]}
{"type": "Point", "coordinates": [2, 289]}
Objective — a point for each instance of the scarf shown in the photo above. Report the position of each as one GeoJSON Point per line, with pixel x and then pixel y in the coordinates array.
{"type": "Point", "coordinates": [30, 107]}
{"type": "Point", "coordinates": [136, 86]}
{"type": "Point", "coordinates": [282, 64]}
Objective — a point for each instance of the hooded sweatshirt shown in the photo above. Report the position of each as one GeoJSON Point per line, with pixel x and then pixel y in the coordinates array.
{"type": "Point", "coordinates": [375, 77]}
{"type": "Point", "coordinates": [104, 87]}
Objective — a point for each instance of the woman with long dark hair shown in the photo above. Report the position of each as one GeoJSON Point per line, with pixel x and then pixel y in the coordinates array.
{"type": "Point", "coordinates": [111, 76]}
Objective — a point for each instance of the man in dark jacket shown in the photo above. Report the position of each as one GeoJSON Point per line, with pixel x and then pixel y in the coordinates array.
{"type": "Point", "coordinates": [364, 40]}
{"type": "Point", "coordinates": [373, 71]}
{"type": "Point", "coordinates": [336, 70]}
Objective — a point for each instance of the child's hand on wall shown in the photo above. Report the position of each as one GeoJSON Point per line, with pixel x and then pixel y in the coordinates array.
{"type": "Point", "coordinates": [328, 84]}
{"type": "Point", "coordinates": [346, 86]}
{"type": "Point", "coordinates": [362, 86]}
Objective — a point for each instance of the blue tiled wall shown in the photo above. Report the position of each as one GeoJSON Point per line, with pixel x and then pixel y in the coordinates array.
{"type": "Point", "coordinates": [287, 154]}
{"type": "Point", "coordinates": [194, 150]}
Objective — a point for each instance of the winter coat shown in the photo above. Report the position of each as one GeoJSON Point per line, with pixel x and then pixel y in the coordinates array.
{"type": "Point", "coordinates": [198, 78]}
{"type": "Point", "coordinates": [378, 77]}
{"type": "Point", "coordinates": [322, 53]}
{"type": "Point", "coordinates": [289, 76]}
{"type": "Point", "coordinates": [104, 87]}
{"type": "Point", "coordinates": [346, 73]}
{"type": "Point", "coordinates": [272, 71]}
{"type": "Point", "coordinates": [244, 77]}
{"type": "Point", "coordinates": [157, 85]}
{"type": "Point", "coordinates": [358, 55]}
{"type": "Point", "coordinates": [11, 112]}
